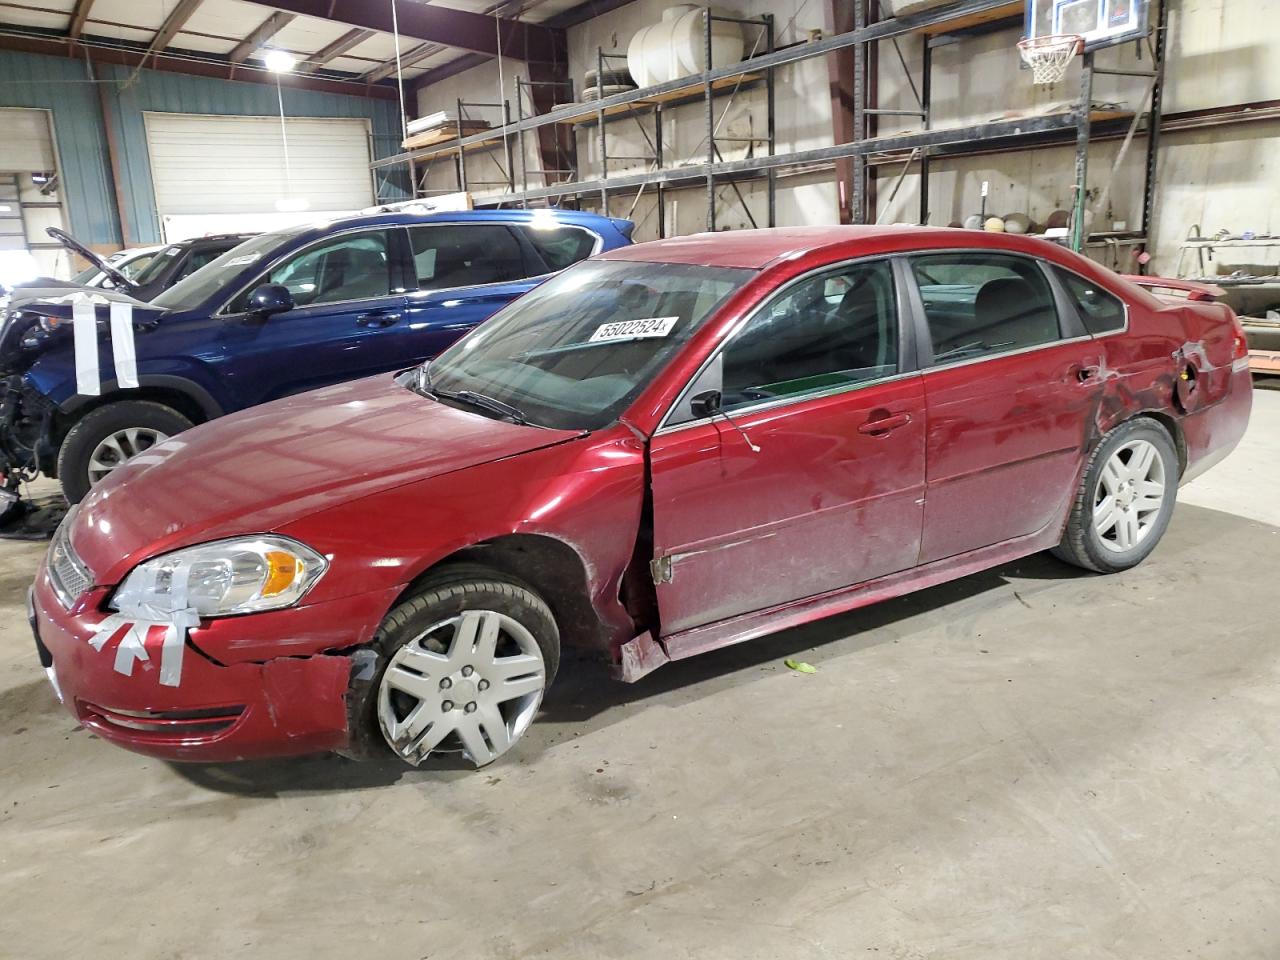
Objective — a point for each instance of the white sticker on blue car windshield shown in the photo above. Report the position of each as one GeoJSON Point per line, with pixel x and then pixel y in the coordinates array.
{"type": "Point", "coordinates": [245, 260]}
{"type": "Point", "coordinates": [635, 329]}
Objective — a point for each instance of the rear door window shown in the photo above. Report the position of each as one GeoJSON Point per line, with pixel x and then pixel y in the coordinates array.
{"type": "Point", "coordinates": [468, 254]}
{"type": "Point", "coordinates": [981, 304]}
{"type": "Point", "coordinates": [1101, 311]}
{"type": "Point", "coordinates": [560, 247]}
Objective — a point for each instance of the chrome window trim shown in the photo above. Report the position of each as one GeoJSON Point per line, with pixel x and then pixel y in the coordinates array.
{"type": "Point", "coordinates": [1008, 353]}
{"type": "Point", "coordinates": [664, 427]}
{"type": "Point", "coordinates": [1123, 302]}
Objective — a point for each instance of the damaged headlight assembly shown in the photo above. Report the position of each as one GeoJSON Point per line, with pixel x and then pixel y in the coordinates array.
{"type": "Point", "coordinates": [224, 578]}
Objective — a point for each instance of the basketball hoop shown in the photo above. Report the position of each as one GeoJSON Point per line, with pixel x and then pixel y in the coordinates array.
{"type": "Point", "coordinates": [1048, 57]}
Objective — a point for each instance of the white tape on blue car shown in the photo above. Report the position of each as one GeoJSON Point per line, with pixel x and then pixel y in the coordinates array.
{"type": "Point", "coordinates": [122, 348]}
{"type": "Point", "coordinates": [84, 325]}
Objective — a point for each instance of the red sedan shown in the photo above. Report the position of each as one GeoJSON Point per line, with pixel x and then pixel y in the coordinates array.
{"type": "Point", "coordinates": [677, 446]}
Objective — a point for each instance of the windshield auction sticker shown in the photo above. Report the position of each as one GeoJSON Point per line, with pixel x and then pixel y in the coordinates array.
{"type": "Point", "coordinates": [635, 329]}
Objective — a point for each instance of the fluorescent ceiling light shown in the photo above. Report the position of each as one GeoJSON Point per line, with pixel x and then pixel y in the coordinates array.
{"type": "Point", "coordinates": [279, 61]}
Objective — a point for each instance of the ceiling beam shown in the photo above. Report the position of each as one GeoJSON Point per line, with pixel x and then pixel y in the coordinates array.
{"type": "Point", "coordinates": [585, 11]}
{"type": "Point", "coordinates": [406, 60]}
{"type": "Point", "coordinates": [78, 17]}
{"type": "Point", "coordinates": [462, 29]}
{"type": "Point", "coordinates": [176, 20]}
{"type": "Point", "coordinates": [217, 69]}
{"type": "Point", "coordinates": [266, 30]}
{"type": "Point", "coordinates": [436, 74]}
{"type": "Point", "coordinates": [352, 38]}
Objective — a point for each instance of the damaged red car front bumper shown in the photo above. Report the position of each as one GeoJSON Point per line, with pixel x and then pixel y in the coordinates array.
{"type": "Point", "coordinates": [225, 705]}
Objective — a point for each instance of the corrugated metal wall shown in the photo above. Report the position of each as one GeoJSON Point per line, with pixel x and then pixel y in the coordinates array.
{"type": "Point", "coordinates": [65, 87]}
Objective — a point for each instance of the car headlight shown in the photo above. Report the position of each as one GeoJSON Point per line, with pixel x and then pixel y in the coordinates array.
{"type": "Point", "coordinates": [224, 578]}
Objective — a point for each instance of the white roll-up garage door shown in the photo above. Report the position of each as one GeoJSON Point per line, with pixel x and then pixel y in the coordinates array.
{"type": "Point", "coordinates": [215, 173]}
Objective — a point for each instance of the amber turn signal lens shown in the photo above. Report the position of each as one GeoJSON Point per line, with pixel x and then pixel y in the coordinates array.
{"type": "Point", "coordinates": [283, 570]}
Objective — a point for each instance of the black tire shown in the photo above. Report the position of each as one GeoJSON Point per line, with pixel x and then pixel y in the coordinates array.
{"type": "Point", "coordinates": [99, 424]}
{"type": "Point", "coordinates": [450, 592]}
{"type": "Point", "coordinates": [1081, 544]}
{"type": "Point", "coordinates": [616, 77]}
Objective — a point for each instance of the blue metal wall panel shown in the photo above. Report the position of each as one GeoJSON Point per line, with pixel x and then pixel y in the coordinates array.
{"type": "Point", "coordinates": [64, 86]}
{"type": "Point", "coordinates": [30, 80]}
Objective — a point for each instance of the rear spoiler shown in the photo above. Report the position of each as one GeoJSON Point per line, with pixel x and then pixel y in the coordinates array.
{"type": "Point", "coordinates": [1193, 290]}
{"type": "Point", "coordinates": [625, 227]}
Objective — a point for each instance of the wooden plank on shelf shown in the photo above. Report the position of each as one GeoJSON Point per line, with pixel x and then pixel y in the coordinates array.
{"type": "Point", "coordinates": [692, 91]}
{"type": "Point", "coordinates": [1264, 361]}
{"type": "Point", "coordinates": [443, 134]}
{"type": "Point", "coordinates": [1002, 12]}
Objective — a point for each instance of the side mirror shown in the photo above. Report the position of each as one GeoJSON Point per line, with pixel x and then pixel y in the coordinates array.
{"type": "Point", "coordinates": [268, 299]}
{"type": "Point", "coordinates": [705, 404]}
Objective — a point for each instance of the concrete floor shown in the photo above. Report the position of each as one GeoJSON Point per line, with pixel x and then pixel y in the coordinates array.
{"type": "Point", "coordinates": [1028, 763]}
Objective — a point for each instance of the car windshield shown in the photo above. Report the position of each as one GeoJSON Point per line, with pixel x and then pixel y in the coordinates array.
{"type": "Point", "coordinates": [192, 291]}
{"type": "Point", "coordinates": [134, 267]}
{"type": "Point", "coordinates": [159, 263]}
{"type": "Point", "coordinates": [574, 352]}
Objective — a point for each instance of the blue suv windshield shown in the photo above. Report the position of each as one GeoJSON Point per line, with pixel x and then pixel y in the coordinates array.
{"type": "Point", "coordinates": [574, 352]}
{"type": "Point", "coordinates": [214, 276]}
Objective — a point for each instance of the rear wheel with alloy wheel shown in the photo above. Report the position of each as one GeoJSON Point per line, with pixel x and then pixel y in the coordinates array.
{"type": "Point", "coordinates": [465, 663]}
{"type": "Point", "coordinates": [1125, 500]}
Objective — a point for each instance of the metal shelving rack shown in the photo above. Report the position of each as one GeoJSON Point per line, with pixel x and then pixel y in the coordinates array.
{"type": "Point", "coordinates": [952, 23]}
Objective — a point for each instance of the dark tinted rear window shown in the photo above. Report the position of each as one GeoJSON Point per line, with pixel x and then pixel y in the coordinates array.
{"type": "Point", "coordinates": [1100, 311]}
{"type": "Point", "coordinates": [561, 247]}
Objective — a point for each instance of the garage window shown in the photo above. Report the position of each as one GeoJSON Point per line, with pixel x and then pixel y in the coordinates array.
{"type": "Point", "coordinates": [980, 304]}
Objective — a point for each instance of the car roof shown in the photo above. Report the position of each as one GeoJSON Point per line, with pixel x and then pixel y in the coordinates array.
{"type": "Point", "coordinates": [216, 238]}
{"type": "Point", "coordinates": [402, 217]}
{"type": "Point", "coordinates": [756, 249]}
{"type": "Point", "coordinates": [132, 253]}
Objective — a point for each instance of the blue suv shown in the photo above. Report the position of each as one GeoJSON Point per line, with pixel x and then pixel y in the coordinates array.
{"type": "Point", "coordinates": [281, 313]}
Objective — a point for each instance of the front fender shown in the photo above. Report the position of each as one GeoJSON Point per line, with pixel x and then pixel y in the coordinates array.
{"type": "Point", "coordinates": [587, 494]}
{"type": "Point", "coordinates": [54, 376]}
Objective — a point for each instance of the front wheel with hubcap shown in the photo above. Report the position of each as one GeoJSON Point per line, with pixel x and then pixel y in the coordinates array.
{"type": "Point", "coordinates": [1125, 500]}
{"type": "Point", "coordinates": [465, 665]}
{"type": "Point", "coordinates": [107, 437]}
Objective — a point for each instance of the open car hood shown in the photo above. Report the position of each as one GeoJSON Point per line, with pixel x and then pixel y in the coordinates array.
{"type": "Point", "coordinates": [75, 246]}
{"type": "Point", "coordinates": [263, 468]}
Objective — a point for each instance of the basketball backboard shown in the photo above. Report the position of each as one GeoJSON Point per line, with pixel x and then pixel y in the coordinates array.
{"type": "Point", "coordinates": [1102, 23]}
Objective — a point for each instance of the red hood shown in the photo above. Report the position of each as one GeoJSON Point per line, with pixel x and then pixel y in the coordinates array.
{"type": "Point", "coordinates": [262, 468]}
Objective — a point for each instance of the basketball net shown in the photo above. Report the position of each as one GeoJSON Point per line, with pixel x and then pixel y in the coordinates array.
{"type": "Point", "coordinates": [1048, 57]}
